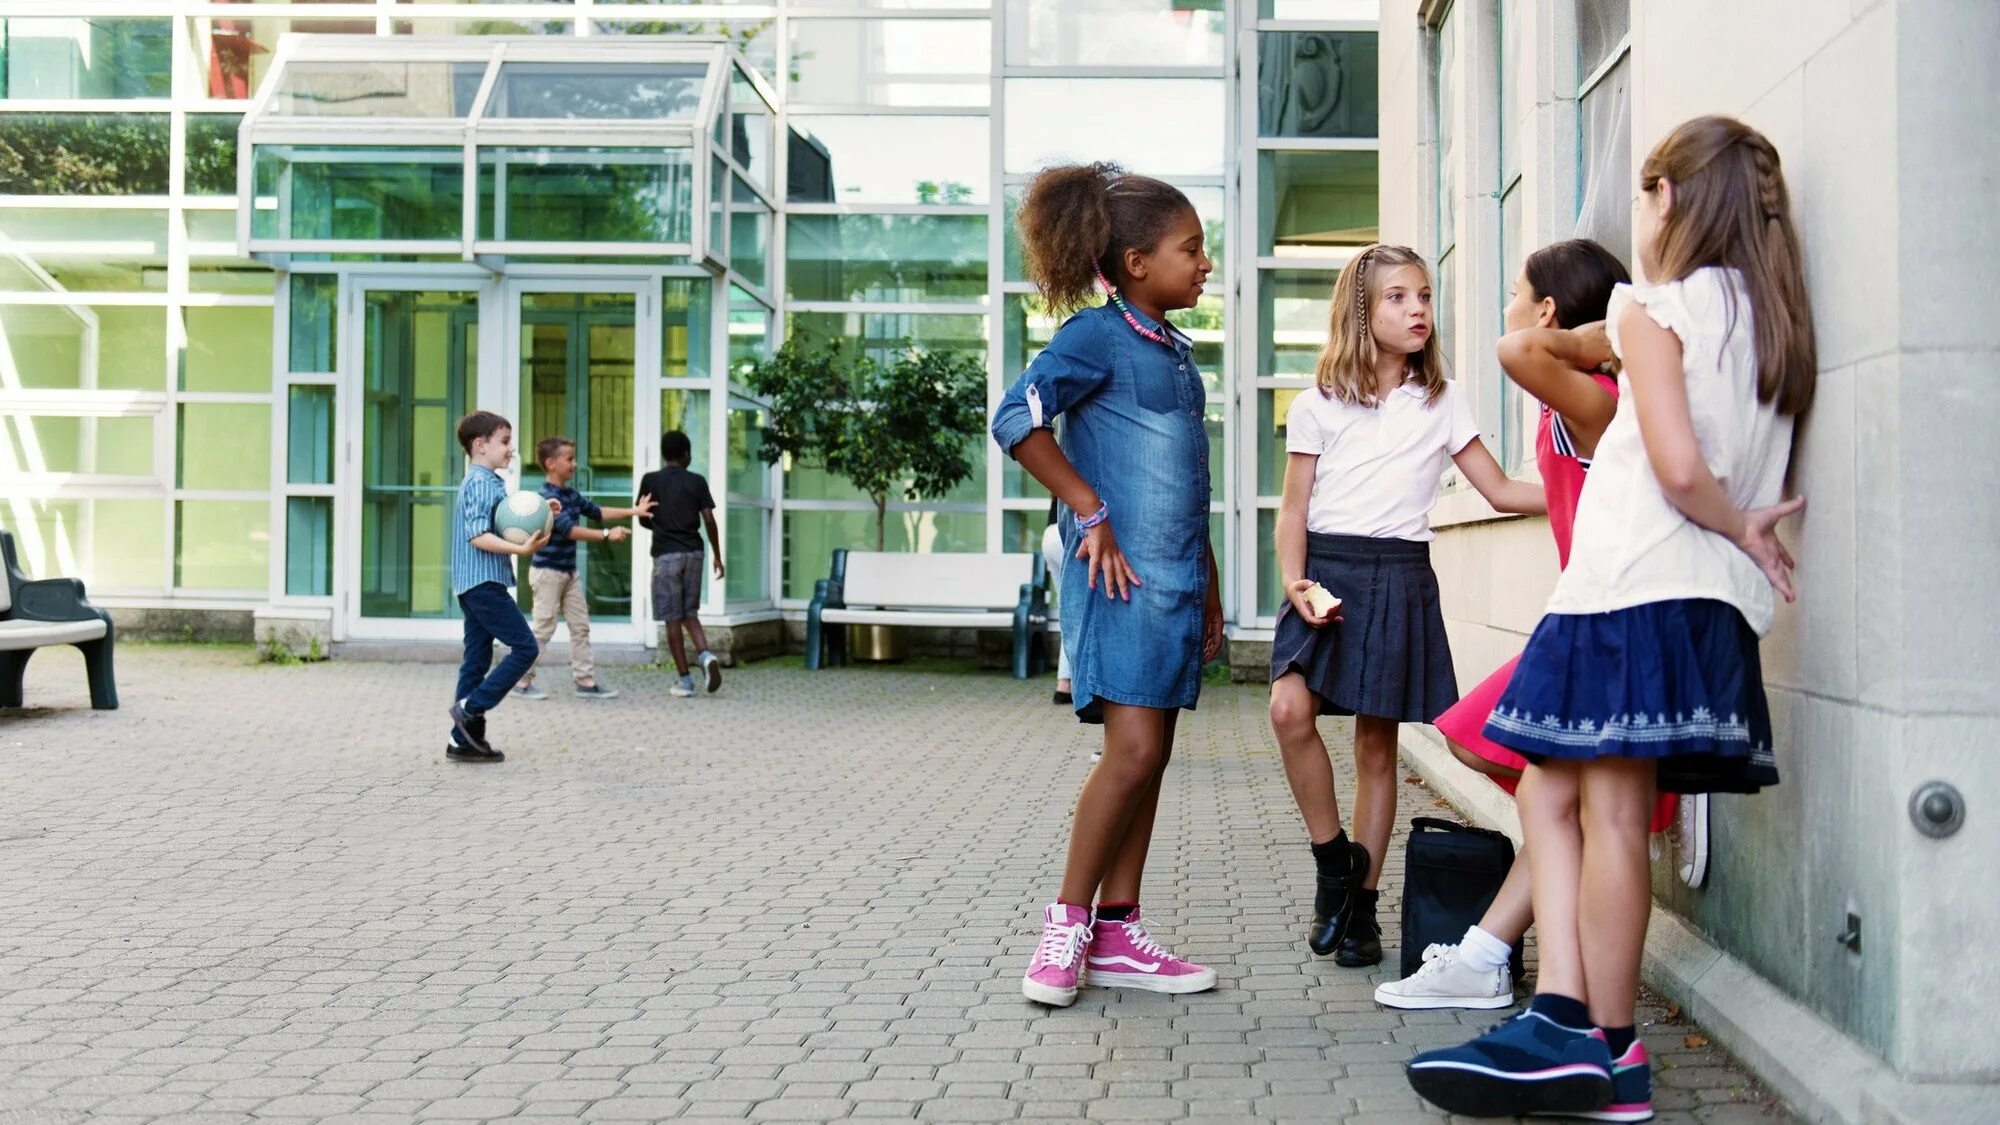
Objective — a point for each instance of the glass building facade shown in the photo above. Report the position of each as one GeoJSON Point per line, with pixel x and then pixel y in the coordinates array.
{"type": "Point", "coordinates": [259, 257]}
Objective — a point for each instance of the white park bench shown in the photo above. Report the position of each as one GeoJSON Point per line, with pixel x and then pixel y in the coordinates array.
{"type": "Point", "coordinates": [945, 590]}
{"type": "Point", "coordinates": [49, 612]}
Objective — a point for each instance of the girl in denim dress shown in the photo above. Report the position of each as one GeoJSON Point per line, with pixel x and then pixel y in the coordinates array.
{"type": "Point", "coordinates": [1141, 613]}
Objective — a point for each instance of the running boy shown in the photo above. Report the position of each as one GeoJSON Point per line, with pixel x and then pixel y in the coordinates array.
{"type": "Point", "coordinates": [553, 577]}
{"type": "Point", "coordinates": [681, 506]}
{"type": "Point", "coordinates": [482, 576]}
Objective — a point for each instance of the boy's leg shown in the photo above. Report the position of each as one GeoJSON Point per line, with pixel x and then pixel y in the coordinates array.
{"type": "Point", "coordinates": [478, 658]}
{"type": "Point", "coordinates": [576, 614]}
{"type": "Point", "coordinates": [499, 616]}
{"type": "Point", "coordinates": [677, 646]}
{"type": "Point", "coordinates": [546, 587]}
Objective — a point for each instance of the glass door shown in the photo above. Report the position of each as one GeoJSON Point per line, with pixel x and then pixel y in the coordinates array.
{"type": "Point", "coordinates": [419, 351]}
{"type": "Point", "coordinates": [579, 380]}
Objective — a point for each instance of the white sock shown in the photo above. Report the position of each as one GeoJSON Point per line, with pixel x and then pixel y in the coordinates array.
{"type": "Point", "coordinates": [1481, 950]}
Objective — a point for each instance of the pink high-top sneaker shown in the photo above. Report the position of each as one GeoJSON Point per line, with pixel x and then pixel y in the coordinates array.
{"type": "Point", "coordinates": [1124, 955]}
{"type": "Point", "coordinates": [1057, 969]}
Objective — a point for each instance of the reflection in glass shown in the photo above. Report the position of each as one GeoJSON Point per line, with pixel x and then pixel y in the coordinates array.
{"type": "Point", "coordinates": [1316, 84]}
{"type": "Point", "coordinates": [1274, 407]}
{"type": "Point", "coordinates": [749, 331]}
{"type": "Point", "coordinates": [882, 336]}
{"type": "Point", "coordinates": [897, 159]}
{"type": "Point", "coordinates": [586, 194]}
{"type": "Point", "coordinates": [1604, 208]}
{"type": "Point", "coordinates": [403, 88]}
{"type": "Point", "coordinates": [578, 381]}
{"type": "Point", "coordinates": [1292, 314]}
{"type": "Point", "coordinates": [83, 154]}
{"type": "Point", "coordinates": [891, 62]}
{"type": "Point", "coordinates": [1600, 25]}
{"type": "Point", "coordinates": [1055, 120]}
{"type": "Point", "coordinates": [211, 153]}
{"type": "Point", "coordinates": [749, 233]}
{"type": "Point", "coordinates": [684, 329]}
{"type": "Point", "coordinates": [687, 411]}
{"type": "Point", "coordinates": [886, 257]}
{"type": "Point", "coordinates": [236, 51]}
{"type": "Point", "coordinates": [1317, 204]}
{"type": "Point", "coordinates": [48, 444]}
{"type": "Point", "coordinates": [309, 546]}
{"type": "Point", "coordinates": [1319, 9]}
{"type": "Point", "coordinates": [748, 474]}
{"type": "Point", "coordinates": [1164, 33]}
{"type": "Point", "coordinates": [86, 57]}
{"type": "Point", "coordinates": [312, 321]}
{"type": "Point", "coordinates": [309, 435]}
{"type": "Point", "coordinates": [748, 578]}
{"type": "Point", "coordinates": [343, 192]}
{"type": "Point", "coordinates": [420, 352]}
{"type": "Point", "coordinates": [598, 91]}
{"type": "Point", "coordinates": [750, 128]}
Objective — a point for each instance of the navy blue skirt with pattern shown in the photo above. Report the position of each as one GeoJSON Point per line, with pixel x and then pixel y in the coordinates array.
{"type": "Point", "coordinates": [1676, 681]}
{"type": "Point", "coordinates": [1388, 654]}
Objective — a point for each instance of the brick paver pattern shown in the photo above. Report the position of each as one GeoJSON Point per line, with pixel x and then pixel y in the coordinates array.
{"type": "Point", "coordinates": [261, 893]}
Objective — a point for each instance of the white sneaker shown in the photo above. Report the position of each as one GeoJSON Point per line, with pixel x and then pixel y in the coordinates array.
{"type": "Point", "coordinates": [711, 668]}
{"type": "Point", "coordinates": [683, 688]}
{"type": "Point", "coordinates": [529, 691]}
{"type": "Point", "coordinates": [1691, 838]}
{"type": "Point", "coordinates": [1446, 981]}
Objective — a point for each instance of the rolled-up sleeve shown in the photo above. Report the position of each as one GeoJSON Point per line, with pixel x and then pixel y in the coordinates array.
{"type": "Point", "coordinates": [1076, 365]}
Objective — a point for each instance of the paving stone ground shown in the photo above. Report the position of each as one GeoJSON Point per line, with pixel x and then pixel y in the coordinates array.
{"type": "Point", "coordinates": [260, 893]}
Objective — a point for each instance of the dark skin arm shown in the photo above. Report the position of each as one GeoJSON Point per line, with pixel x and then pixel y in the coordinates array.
{"type": "Point", "coordinates": [714, 539]}
{"type": "Point", "coordinates": [1044, 459]}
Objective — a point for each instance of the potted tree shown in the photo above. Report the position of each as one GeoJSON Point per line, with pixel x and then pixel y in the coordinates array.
{"type": "Point", "coordinates": [908, 428]}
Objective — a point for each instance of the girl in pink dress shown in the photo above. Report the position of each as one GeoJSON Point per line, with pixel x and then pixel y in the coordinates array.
{"type": "Point", "coordinates": [1554, 344]}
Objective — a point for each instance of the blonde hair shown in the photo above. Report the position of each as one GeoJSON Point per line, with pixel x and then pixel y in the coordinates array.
{"type": "Point", "coordinates": [1346, 368]}
{"type": "Point", "coordinates": [1731, 209]}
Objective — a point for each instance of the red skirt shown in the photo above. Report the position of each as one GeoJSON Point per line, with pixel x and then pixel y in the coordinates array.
{"type": "Point", "coordinates": [1465, 724]}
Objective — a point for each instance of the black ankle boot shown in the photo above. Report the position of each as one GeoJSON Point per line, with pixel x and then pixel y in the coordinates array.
{"type": "Point", "coordinates": [1362, 944]}
{"type": "Point", "coordinates": [1334, 901]}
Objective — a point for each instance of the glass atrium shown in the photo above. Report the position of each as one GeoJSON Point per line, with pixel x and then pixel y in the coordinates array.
{"type": "Point", "coordinates": [260, 256]}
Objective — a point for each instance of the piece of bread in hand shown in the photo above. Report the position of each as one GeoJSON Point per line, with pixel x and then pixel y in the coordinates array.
{"type": "Point", "coordinates": [1321, 602]}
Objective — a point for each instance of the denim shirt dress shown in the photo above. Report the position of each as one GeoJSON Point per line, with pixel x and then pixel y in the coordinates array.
{"type": "Point", "coordinates": [1135, 432]}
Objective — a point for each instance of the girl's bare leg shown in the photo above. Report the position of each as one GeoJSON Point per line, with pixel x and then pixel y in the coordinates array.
{"type": "Point", "coordinates": [1135, 751]}
{"type": "Point", "coordinates": [1615, 898]}
{"type": "Point", "coordinates": [1375, 791]}
{"type": "Point", "coordinates": [1128, 864]}
{"type": "Point", "coordinates": [1294, 719]}
{"type": "Point", "coordinates": [1548, 801]}
{"type": "Point", "coordinates": [1512, 910]}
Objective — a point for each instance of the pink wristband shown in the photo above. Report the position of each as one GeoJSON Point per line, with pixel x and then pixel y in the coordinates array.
{"type": "Point", "coordinates": [1087, 522]}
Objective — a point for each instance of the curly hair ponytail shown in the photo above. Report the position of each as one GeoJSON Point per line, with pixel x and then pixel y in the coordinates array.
{"type": "Point", "coordinates": [1078, 219]}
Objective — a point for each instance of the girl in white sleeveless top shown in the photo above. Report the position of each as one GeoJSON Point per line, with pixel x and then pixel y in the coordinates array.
{"type": "Point", "coordinates": [1644, 675]}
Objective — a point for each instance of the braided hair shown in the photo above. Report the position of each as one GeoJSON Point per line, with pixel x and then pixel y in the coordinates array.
{"type": "Point", "coordinates": [1731, 209]}
{"type": "Point", "coordinates": [1346, 366]}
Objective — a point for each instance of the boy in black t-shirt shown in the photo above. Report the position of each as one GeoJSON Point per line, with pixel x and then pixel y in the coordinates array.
{"type": "Point", "coordinates": [682, 506]}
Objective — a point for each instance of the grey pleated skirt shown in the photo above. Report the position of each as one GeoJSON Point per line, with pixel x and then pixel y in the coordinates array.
{"type": "Point", "coordinates": [1388, 655]}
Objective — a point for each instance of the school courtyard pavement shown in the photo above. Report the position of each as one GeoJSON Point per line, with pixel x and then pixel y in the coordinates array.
{"type": "Point", "coordinates": [260, 893]}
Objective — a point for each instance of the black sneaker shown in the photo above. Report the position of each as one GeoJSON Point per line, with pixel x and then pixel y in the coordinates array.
{"type": "Point", "coordinates": [1363, 944]}
{"type": "Point", "coordinates": [1063, 699]}
{"type": "Point", "coordinates": [458, 752]}
{"type": "Point", "coordinates": [469, 729]}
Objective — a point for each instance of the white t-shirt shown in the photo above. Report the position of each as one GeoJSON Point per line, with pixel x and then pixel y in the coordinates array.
{"type": "Point", "coordinates": [1379, 466]}
{"type": "Point", "coordinates": [1632, 546]}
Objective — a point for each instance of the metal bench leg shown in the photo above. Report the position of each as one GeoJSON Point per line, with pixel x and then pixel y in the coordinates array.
{"type": "Point", "coordinates": [97, 661]}
{"type": "Point", "coordinates": [13, 670]}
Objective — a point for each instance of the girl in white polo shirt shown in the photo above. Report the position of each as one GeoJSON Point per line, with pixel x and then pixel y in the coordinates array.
{"type": "Point", "coordinates": [1365, 452]}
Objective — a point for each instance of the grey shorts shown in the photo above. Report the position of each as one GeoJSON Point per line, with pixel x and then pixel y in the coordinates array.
{"type": "Point", "coordinates": [677, 585]}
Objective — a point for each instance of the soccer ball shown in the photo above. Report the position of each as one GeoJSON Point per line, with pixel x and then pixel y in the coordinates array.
{"type": "Point", "coordinates": [522, 516]}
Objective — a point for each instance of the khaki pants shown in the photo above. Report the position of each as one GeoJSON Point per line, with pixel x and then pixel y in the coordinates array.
{"type": "Point", "coordinates": [561, 591]}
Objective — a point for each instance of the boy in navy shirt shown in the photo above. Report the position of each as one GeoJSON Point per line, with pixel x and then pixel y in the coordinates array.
{"type": "Point", "coordinates": [553, 577]}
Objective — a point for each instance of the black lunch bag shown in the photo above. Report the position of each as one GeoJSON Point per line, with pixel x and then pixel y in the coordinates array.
{"type": "Point", "coordinates": [1450, 875]}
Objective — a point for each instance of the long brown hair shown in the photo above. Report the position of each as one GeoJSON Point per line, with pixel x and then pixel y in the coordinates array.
{"type": "Point", "coordinates": [1731, 209]}
{"type": "Point", "coordinates": [1080, 218]}
{"type": "Point", "coordinates": [1346, 368]}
